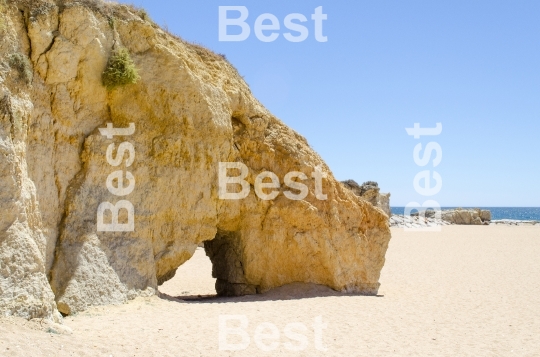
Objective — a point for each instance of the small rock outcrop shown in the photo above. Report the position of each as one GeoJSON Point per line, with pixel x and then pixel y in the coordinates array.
{"type": "Point", "coordinates": [370, 191]}
{"type": "Point", "coordinates": [467, 217]}
{"type": "Point", "coordinates": [447, 217]}
{"type": "Point", "coordinates": [188, 112]}
{"type": "Point", "coordinates": [414, 221]}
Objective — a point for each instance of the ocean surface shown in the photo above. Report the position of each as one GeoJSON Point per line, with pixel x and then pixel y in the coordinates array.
{"type": "Point", "coordinates": [517, 213]}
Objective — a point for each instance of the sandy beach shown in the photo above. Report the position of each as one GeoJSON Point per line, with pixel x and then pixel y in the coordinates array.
{"type": "Point", "coordinates": [464, 291]}
{"type": "Point", "coordinates": [187, 179]}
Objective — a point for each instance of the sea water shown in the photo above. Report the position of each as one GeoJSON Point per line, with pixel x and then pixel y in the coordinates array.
{"type": "Point", "coordinates": [514, 213]}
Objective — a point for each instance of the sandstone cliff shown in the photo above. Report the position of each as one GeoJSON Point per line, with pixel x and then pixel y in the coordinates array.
{"type": "Point", "coordinates": [190, 110]}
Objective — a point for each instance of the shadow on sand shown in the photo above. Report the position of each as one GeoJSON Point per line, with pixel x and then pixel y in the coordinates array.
{"type": "Point", "coordinates": [295, 291]}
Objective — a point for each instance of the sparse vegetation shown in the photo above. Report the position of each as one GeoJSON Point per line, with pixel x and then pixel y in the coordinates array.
{"type": "Point", "coordinates": [144, 15]}
{"type": "Point", "coordinates": [205, 53]}
{"type": "Point", "coordinates": [105, 8]}
{"type": "Point", "coordinates": [109, 10]}
{"type": "Point", "coordinates": [5, 108]}
{"type": "Point", "coordinates": [120, 70]}
{"type": "Point", "coordinates": [39, 9]}
{"type": "Point", "coordinates": [3, 10]}
{"type": "Point", "coordinates": [370, 183]}
{"type": "Point", "coordinates": [99, 6]}
{"type": "Point", "coordinates": [112, 21]}
{"type": "Point", "coordinates": [23, 66]}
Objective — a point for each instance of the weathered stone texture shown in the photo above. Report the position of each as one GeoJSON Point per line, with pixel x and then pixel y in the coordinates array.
{"type": "Point", "coordinates": [191, 110]}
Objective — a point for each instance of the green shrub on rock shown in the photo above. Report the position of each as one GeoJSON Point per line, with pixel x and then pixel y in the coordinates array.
{"type": "Point", "coordinates": [22, 64]}
{"type": "Point", "coordinates": [120, 70]}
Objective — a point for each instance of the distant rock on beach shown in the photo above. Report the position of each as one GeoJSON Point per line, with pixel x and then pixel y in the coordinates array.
{"type": "Point", "coordinates": [414, 221]}
{"type": "Point", "coordinates": [456, 216]}
{"type": "Point", "coordinates": [468, 216]}
{"type": "Point", "coordinates": [370, 191]}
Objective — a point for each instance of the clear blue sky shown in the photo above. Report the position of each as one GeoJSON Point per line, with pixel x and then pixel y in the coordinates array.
{"type": "Point", "coordinates": [473, 66]}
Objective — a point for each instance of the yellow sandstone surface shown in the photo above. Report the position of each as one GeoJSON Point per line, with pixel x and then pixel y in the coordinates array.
{"type": "Point", "coordinates": [191, 111]}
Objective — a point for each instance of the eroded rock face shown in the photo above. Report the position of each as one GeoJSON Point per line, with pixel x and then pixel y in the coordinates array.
{"type": "Point", "coordinates": [384, 203]}
{"type": "Point", "coordinates": [24, 290]}
{"type": "Point", "coordinates": [191, 111]}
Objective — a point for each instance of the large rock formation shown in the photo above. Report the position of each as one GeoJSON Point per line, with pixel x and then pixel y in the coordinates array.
{"type": "Point", "coordinates": [190, 110]}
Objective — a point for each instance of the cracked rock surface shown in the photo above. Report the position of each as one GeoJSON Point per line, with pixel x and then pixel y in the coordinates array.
{"type": "Point", "coordinates": [191, 110]}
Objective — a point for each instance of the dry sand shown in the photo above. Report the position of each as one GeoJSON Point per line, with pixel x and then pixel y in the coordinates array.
{"type": "Point", "coordinates": [464, 291]}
